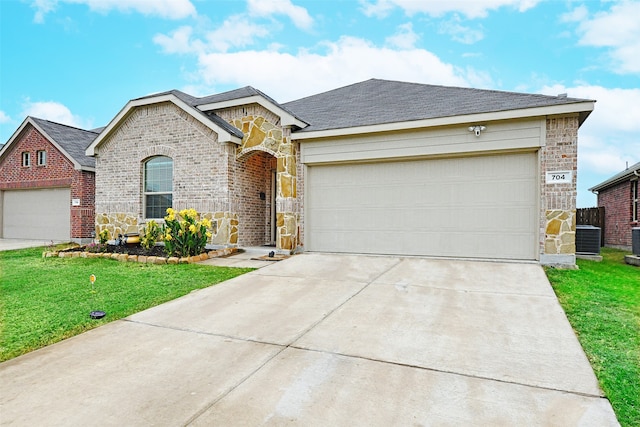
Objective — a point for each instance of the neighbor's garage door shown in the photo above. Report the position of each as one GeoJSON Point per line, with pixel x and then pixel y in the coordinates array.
{"type": "Point", "coordinates": [42, 214]}
{"type": "Point", "coordinates": [481, 207]}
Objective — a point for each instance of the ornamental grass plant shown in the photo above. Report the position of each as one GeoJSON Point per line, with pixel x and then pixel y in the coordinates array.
{"type": "Point", "coordinates": [185, 234]}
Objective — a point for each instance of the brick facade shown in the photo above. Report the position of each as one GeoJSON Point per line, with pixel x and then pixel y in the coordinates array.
{"type": "Point", "coordinates": [618, 214]}
{"type": "Point", "coordinates": [58, 172]}
{"type": "Point", "coordinates": [229, 184]}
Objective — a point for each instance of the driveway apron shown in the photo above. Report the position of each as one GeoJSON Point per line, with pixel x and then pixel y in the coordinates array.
{"type": "Point", "coordinates": [323, 339]}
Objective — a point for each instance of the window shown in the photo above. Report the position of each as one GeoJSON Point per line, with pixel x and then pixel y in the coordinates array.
{"type": "Point", "coordinates": [158, 186]}
{"type": "Point", "coordinates": [26, 159]}
{"type": "Point", "coordinates": [42, 157]}
{"type": "Point", "coordinates": [634, 200]}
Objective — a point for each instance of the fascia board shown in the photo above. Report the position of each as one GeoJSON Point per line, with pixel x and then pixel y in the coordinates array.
{"type": "Point", "coordinates": [14, 136]}
{"type": "Point", "coordinates": [286, 118]}
{"type": "Point", "coordinates": [223, 135]}
{"type": "Point", "coordinates": [610, 183]}
{"type": "Point", "coordinates": [448, 121]}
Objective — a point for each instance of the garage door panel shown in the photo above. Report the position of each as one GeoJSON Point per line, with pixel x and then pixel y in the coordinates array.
{"type": "Point", "coordinates": [40, 214]}
{"type": "Point", "coordinates": [469, 207]}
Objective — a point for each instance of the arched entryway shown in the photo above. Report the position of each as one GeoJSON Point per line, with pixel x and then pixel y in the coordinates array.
{"type": "Point", "coordinates": [255, 179]}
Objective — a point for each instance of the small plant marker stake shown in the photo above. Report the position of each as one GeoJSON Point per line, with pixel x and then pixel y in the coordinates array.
{"type": "Point", "coordinates": [95, 314]}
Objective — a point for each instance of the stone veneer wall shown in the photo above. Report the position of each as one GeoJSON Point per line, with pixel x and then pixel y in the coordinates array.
{"type": "Point", "coordinates": [558, 201]}
{"type": "Point", "coordinates": [200, 171]}
{"type": "Point", "coordinates": [263, 132]}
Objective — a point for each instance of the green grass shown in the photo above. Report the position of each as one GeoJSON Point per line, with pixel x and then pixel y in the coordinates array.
{"type": "Point", "coordinates": [602, 302]}
{"type": "Point", "coordinates": [45, 300]}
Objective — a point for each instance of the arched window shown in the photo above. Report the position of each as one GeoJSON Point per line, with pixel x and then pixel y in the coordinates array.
{"type": "Point", "coordinates": [158, 186]}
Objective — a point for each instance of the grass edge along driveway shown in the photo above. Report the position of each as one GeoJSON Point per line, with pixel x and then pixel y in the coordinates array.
{"type": "Point", "coordinates": [602, 303]}
{"type": "Point", "coordinates": [46, 300]}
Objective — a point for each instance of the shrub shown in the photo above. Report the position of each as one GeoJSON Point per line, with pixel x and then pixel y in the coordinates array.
{"type": "Point", "coordinates": [96, 247]}
{"type": "Point", "coordinates": [151, 233]}
{"type": "Point", "coordinates": [184, 233]}
{"type": "Point", "coordinates": [103, 237]}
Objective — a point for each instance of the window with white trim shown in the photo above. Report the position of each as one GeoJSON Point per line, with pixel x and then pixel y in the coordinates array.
{"type": "Point", "coordinates": [41, 156]}
{"type": "Point", "coordinates": [26, 159]}
{"type": "Point", "coordinates": [158, 186]}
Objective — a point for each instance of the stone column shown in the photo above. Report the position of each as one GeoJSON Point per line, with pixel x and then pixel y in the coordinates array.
{"type": "Point", "coordinates": [287, 215]}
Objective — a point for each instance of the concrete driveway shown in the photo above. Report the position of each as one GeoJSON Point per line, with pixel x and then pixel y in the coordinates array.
{"type": "Point", "coordinates": [322, 339]}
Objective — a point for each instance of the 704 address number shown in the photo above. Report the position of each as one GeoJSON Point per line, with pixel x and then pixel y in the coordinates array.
{"type": "Point", "coordinates": [559, 177]}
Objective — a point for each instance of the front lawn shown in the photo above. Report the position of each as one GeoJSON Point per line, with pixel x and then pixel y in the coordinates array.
{"type": "Point", "coordinates": [45, 300]}
{"type": "Point", "coordinates": [602, 302]}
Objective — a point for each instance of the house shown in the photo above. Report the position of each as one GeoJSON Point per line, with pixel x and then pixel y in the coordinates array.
{"type": "Point", "coordinates": [47, 183]}
{"type": "Point", "coordinates": [619, 197]}
{"type": "Point", "coordinates": [376, 167]}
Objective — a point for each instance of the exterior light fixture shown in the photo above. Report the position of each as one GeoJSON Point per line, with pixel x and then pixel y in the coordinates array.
{"type": "Point", "coordinates": [476, 129]}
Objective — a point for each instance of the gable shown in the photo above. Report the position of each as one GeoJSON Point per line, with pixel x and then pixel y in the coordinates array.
{"type": "Point", "coordinates": [224, 132]}
{"type": "Point", "coordinates": [58, 168]}
{"type": "Point", "coordinates": [69, 141]}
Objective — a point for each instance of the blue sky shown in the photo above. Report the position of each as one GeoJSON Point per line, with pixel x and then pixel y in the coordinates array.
{"type": "Point", "coordinates": [79, 61]}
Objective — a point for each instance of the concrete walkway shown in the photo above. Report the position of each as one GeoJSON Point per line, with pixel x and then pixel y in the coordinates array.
{"type": "Point", "coordinates": [12, 244]}
{"type": "Point", "coordinates": [323, 339]}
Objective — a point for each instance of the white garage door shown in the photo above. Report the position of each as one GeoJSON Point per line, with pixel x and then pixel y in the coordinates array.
{"type": "Point", "coordinates": [480, 207]}
{"type": "Point", "coordinates": [42, 214]}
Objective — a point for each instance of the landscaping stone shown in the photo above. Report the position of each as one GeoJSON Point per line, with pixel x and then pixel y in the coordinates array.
{"type": "Point", "coordinates": [127, 257]}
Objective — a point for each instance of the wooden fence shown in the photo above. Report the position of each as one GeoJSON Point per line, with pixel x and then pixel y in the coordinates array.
{"type": "Point", "coordinates": [592, 216]}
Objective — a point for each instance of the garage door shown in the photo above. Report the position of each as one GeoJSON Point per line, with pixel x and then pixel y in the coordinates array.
{"type": "Point", "coordinates": [42, 214]}
{"type": "Point", "coordinates": [480, 207]}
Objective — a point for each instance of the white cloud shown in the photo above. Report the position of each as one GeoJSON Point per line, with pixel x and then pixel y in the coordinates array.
{"type": "Point", "coordinates": [459, 32]}
{"type": "Point", "coordinates": [42, 7]}
{"type": "Point", "coordinates": [169, 9]}
{"type": "Point", "coordinates": [4, 118]}
{"type": "Point", "coordinates": [578, 14]}
{"type": "Point", "coordinates": [470, 9]}
{"type": "Point", "coordinates": [55, 112]}
{"type": "Point", "coordinates": [608, 139]}
{"type": "Point", "coordinates": [619, 30]}
{"type": "Point", "coordinates": [404, 38]}
{"type": "Point", "coordinates": [288, 76]}
{"type": "Point", "coordinates": [237, 31]}
{"type": "Point", "coordinates": [179, 41]}
{"type": "Point", "coordinates": [298, 15]}
{"type": "Point", "coordinates": [616, 109]}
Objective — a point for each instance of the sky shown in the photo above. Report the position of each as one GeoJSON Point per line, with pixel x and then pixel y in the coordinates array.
{"type": "Point", "coordinates": [78, 62]}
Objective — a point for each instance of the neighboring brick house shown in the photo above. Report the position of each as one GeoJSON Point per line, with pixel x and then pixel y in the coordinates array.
{"type": "Point", "coordinates": [379, 167]}
{"type": "Point", "coordinates": [619, 196]}
{"type": "Point", "coordinates": [47, 183]}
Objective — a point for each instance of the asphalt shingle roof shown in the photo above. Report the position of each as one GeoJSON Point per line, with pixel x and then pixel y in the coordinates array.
{"type": "Point", "coordinates": [378, 101]}
{"type": "Point", "coordinates": [73, 140]}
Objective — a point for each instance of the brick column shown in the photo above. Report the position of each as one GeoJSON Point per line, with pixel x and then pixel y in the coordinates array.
{"type": "Point", "coordinates": [558, 200]}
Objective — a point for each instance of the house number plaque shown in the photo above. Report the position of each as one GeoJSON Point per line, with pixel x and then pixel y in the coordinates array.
{"type": "Point", "coordinates": [559, 177]}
